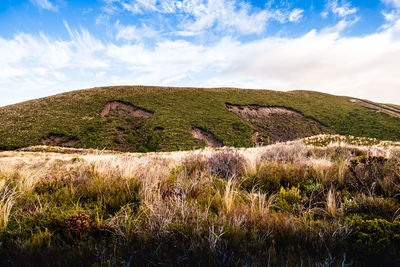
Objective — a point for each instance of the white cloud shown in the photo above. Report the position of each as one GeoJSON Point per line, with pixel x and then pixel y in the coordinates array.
{"type": "Point", "coordinates": [343, 10]}
{"type": "Point", "coordinates": [341, 25]}
{"type": "Point", "coordinates": [364, 67]}
{"type": "Point", "coordinates": [131, 32]}
{"type": "Point", "coordinates": [44, 4]}
{"type": "Point", "coordinates": [195, 17]}
{"type": "Point", "coordinates": [395, 3]}
{"type": "Point", "coordinates": [391, 16]}
{"type": "Point", "coordinates": [296, 15]}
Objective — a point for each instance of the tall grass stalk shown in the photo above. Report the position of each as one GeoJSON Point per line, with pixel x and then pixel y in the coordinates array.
{"type": "Point", "coordinates": [8, 199]}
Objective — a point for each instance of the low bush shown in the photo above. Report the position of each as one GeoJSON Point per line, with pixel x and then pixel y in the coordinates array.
{"type": "Point", "coordinates": [226, 163]}
{"type": "Point", "coordinates": [289, 199]}
{"type": "Point", "coordinates": [375, 242]}
{"type": "Point", "coordinates": [366, 172]}
{"type": "Point", "coordinates": [371, 207]}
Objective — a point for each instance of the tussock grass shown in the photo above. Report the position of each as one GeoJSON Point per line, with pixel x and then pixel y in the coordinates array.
{"type": "Point", "coordinates": [282, 204]}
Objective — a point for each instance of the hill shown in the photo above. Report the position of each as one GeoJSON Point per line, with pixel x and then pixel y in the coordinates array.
{"type": "Point", "coordinates": [142, 118]}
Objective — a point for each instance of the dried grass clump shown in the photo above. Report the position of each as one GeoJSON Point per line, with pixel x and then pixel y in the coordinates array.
{"type": "Point", "coordinates": [226, 163]}
{"type": "Point", "coordinates": [8, 199]}
{"type": "Point", "coordinates": [195, 163]}
{"type": "Point", "coordinates": [295, 151]}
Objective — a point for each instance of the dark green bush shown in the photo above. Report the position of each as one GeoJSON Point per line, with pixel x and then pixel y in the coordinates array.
{"type": "Point", "coordinates": [375, 242]}
{"type": "Point", "coordinates": [371, 207]}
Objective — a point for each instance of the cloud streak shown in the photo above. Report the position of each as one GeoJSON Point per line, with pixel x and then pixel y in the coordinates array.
{"type": "Point", "coordinates": [45, 4]}
{"type": "Point", "coordinates": [325, 61]}
{"type": "Point", "coordinates": [196, 17]}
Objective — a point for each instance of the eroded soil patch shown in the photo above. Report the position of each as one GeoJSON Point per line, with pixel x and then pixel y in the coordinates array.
{"type": "Point", "coordinates": [127, 128]}
{"type": "Point", "coordinates": [277, 124]}
{"type": "Point", "coordinates": [208, 137]}
{"type": "Point", "coordinates": [119, 108]}
{"type": "Point", "coordinates": [58, 140]}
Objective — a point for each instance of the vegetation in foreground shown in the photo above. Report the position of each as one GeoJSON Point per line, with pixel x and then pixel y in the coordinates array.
{"type": "Point", "coordinates": [300, 203]}
{"type": "Point", "coordinates": [138, 118]}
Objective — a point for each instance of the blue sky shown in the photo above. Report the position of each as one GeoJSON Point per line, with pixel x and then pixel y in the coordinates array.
{"type": "Point", "coordinates": [336, 46]}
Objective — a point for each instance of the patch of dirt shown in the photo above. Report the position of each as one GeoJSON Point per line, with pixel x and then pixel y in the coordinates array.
{"type": "Point", "coordinates": [208, 137]}
{"type": "Point", "coordinates": [58, 140]}
{"type": "Point", "coordinates": [126, 125]}
{"type": "Point", "coordinates": [119, 108]}
{"type": "Point", "coordinates": [390, 110]}
{"type": "Point", "coordinates": [277, 124]}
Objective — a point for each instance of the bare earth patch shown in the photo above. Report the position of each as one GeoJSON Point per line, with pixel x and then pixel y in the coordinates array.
{"type": "Point", "coordinates": [125, 122]}
{"type": "Point", "coordinates": [390, 110]}
{"type": "Point", "coordinates": [58, 140]}
{"type": "Point", "coordinates": [117, 108]}
{"type": "Point", "coordinates": [208, 137]}
{"type": "Point", "coordinates": [277, 124]}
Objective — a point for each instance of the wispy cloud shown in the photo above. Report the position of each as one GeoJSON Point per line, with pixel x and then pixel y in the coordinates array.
{"type": "Point", "coordinates": [194, 17]}
{"type": "Point", "coordinates": [395, 3]}
{"type": "Point", "coordinates": [45, 4]}
{"type": "Point", "coordinates": [134, 33]}
{"type": "Point", "coordinates": [392, 15]}
{"type": "Point", "coordinates": [296, 15]}
{"type": "Point", "coordinates": [319, 60]}
{"type": "Point", "coordinates": [341, 10]}
{"type": "Point", "coordinates": [344, 11]}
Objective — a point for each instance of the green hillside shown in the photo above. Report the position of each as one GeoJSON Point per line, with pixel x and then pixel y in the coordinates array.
{"type": "Point", "coordinates": [163, 118]}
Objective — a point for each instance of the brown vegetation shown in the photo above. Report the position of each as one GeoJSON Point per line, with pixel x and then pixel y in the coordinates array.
{"type": "Point", "coordinates": [119, 108]}
{"type": "Point", "coordinates": [277, 124]}
{"type": "Point", "coordinates": [58, 140]}
{"type": "Point", "coordinates": [276, 205]}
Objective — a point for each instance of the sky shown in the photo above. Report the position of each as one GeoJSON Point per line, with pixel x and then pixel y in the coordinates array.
{"type": "Point", "coordinates": [340, 47]}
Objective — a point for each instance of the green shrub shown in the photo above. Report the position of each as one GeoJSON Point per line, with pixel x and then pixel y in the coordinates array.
{"type": "Point", "coordinates": [263, 179]}
{"type": "Point", "coordinates": [371, 207]}
{"type": "Point", "coordinates": [375, 242]}
{"type": "Point", "coordinates": [289, 199]}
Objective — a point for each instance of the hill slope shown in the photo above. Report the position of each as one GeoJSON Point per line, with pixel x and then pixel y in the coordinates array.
{"type": "Point", "coordinates": [139, 118]}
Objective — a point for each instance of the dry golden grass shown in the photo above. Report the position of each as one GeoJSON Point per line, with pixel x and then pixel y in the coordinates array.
{"type": "Point", "coordinates": [297, 191]}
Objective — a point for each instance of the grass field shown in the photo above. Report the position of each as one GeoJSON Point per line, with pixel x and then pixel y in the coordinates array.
{"type": "Point", "coordinates": [327, 200]}
{"type": "Point", "coordinates": [74, 118]}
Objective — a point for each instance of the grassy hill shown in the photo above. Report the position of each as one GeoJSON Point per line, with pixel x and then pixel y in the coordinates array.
{"type": "Point", "coordinates": [139, 118]}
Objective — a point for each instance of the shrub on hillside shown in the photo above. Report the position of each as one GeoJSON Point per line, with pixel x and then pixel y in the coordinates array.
{"type": "Point", "coordinates": [226, 163]}
{"type": "Point", "coordinates": [366, 172]}
{"type": "Point", "coordinates": [265, 179]}
{"type": "Point", "coordinates": [375, 242]}
{"type": "Point", "coordinates": [194, 163]}
{"type": "Point", "coordinates": [289, 198]}
{"type": "Point", "coordinates": [372, 207]}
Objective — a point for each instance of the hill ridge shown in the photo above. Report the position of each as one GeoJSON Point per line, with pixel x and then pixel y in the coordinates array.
{"type": "Point", "coordinates": [176, 111]}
